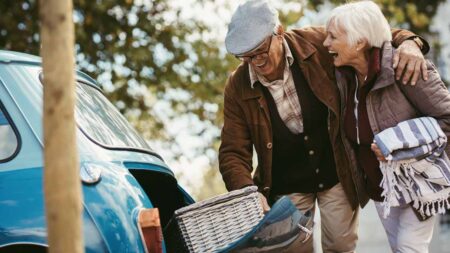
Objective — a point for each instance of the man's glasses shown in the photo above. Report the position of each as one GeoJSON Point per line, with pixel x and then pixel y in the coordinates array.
{"type": "Point", "coordinates": [257, 59]}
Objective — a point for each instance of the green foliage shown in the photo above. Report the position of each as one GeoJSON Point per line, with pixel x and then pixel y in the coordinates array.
{"type": "Point", "coordinates": [414, 15]}
{"type": "Point", "coordinates": [18, 26]}
{"type": "Point", "coordinates": [138, 49]}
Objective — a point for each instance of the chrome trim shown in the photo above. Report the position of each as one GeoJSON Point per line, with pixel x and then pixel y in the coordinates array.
{"type": "Point", "coordinates": [90, 173]}
{"type": "Point", "coordinates": [23, 243]}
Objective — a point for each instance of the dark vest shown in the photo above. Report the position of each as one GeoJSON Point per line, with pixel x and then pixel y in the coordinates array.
{"type": "Point", "coordinates": [301, 162]}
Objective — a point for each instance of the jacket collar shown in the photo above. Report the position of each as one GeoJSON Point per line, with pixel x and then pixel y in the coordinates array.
{"type": "Point", "coordinates": [374, 64]}
{"type": "Point", "coordinates": [249, 92]}
{"type": "Point", "coordinates": [299, 46]}
{"type": "Point", "coordinates": [305, 54]}
{"type": "Point", "coordinates": [386, 76]}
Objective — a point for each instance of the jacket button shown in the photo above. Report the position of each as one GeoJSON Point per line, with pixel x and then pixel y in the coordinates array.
{"type": "Point", "coordinates": [320, 186]}
{"type": "Point", "coordinates": [306, 138]}
{"type": "Point", "coordinates": [311, 152]}
{"type": "Point", "coordinates": [269, 145]}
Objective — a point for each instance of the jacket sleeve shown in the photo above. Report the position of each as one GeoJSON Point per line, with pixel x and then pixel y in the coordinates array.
{"type": "Point", "coordinates": [400, 35]}
{"type": "Point", "coordinates": [236, 148]}
{"type": "Point", "coordinates": [431, 97]}
{"type": "Point", "coordinates": [317, 35]}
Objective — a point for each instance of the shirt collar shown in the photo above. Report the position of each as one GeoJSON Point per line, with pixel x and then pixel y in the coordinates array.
{"type": "Point", "coordinates": [254, 77]}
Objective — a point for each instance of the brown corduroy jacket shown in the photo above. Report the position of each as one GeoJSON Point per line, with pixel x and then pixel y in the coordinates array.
{"type": "Point", "coordinates": [247, 120]}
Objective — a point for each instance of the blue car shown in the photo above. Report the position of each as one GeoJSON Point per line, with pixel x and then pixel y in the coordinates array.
{"type": "Point", "coordinates": [122, 177]}
{"type": "Point", "coordinates": [121, 174]}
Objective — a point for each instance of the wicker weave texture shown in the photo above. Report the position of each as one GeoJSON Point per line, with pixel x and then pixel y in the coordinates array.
{"type": "Point", "coordinates": [212, 225]}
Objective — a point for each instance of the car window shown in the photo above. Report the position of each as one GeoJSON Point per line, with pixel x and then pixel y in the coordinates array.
{"type": "Point", "coordinates": [102, 122]}
{"type": "Point", "coordinates": [8, 138]}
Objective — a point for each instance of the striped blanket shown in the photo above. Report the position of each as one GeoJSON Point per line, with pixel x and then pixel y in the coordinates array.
{"type": "Point", "coordinates": [417, 169]}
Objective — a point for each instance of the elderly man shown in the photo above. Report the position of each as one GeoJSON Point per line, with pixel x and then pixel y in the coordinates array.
{"type": "Point", "coordinates": [283, 101]}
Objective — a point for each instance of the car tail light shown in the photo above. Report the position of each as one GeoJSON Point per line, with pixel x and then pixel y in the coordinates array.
{"type": "Point", "coordinates": [150, 230]}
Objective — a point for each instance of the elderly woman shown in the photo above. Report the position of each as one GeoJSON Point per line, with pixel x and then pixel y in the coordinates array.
{"type": "Point", "coordinates": [372, 100]}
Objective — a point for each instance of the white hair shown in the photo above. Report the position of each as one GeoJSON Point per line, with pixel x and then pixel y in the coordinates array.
{"type": "Point", "coordinates": [361, 20]}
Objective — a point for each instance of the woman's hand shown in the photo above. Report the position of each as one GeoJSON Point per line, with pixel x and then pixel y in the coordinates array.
{"type": "Point", "coordinates": [378, 153]}
{"type": "Point", "coordinates": [409, 59]}
{"type": "Point", "coordinates": [264, 203]}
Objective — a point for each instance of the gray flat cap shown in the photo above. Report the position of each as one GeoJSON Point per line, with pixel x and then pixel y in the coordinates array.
{"type": "Point", "coordinates": [251, 23]}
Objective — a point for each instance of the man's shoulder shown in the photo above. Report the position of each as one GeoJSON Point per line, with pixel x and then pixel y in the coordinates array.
{"type": "Point", "coordinates": [313, 36]}
{"type": "Point", "coordinates": [307, 32]}
{"type": "Point", "coordinates": [238, 80]}
{"type": "Point", "coordinates": [306, 41]}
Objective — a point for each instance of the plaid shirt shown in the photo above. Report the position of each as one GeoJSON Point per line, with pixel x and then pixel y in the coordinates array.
{"type": "Point", "coordinates": [284, 94]}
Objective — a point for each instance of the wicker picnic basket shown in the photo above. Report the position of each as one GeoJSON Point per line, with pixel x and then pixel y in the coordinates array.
{"type": "Point", "coordinates": [213, 224]}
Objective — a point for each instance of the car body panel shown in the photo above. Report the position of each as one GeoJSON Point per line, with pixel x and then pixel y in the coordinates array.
{"type": "Point", "coordinates": [22, 215]}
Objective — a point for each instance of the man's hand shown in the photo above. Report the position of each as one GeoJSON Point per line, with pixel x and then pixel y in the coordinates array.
{"type": "Point", "coordinates": [408, 56]}
{"type": "Point", "coordinates": [264, 203]}
{"type": "Point", "coordinates": [378, 153]}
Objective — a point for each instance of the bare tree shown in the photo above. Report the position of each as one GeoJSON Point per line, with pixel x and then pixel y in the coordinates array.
{"type": "Point", "coordinates": [61, 174]}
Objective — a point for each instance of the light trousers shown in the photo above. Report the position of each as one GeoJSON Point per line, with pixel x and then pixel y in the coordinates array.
{"type": "Point", "coordinates": [339, 223]}
{"type": "Point", "coordinates": [405, 232]}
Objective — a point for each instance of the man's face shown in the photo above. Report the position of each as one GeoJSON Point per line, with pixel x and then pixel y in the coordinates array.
{"type": "Point", "coordinates": [265, 58]}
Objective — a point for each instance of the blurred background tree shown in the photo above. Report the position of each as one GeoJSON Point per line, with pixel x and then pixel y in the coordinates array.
{"type": "Point", "coordinates": [163, 63]}
{"type": "Point", "coordinates": [413, 15]}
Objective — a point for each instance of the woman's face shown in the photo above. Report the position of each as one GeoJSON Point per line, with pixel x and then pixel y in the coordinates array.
{"type": "Point", "coordinates": [337, 45]}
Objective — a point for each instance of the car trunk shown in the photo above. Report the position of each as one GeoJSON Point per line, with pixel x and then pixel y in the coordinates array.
{"type": "Point", "coordinates": [163, 191]}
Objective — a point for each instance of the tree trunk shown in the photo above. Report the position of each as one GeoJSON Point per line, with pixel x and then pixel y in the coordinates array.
{"type": "Point", "coordinates": [62, 187]}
